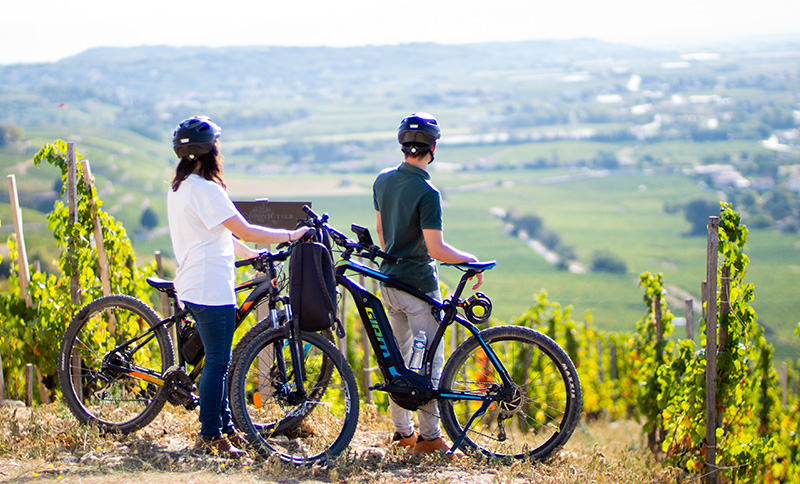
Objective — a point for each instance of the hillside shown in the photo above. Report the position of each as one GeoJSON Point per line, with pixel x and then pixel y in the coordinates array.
{"type": "Point", "coordinates": [605, 143]}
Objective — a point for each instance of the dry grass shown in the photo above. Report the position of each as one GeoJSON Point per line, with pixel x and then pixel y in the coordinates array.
{"type": "Point", "coordinates": [45, 444]}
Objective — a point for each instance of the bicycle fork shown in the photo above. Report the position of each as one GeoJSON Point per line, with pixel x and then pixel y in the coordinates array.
{"type": "Point", "coordinates": [501, 370]}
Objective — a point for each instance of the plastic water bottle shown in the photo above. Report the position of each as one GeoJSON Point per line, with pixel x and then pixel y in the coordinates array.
{"type": "Point", "coordinates": [419, 351]}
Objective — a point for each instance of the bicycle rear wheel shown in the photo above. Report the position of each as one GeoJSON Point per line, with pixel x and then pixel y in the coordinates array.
{"type": "Point", "coordinates": [539, 412]}
{"type": "Point", "coordinates": [105, 381]}
{"type": "Point", "coordinates": [301, 429]}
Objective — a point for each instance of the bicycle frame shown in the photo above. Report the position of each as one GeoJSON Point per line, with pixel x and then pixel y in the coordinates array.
{"type": "Point", "coordinates": [262, 288]}
{"type": "Point", "coordinates": [401, 380]}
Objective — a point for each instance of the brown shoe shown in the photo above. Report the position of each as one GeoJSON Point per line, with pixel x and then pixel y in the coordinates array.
{"type": "Point", "coordinates": [439, 444]}
{"type": "Point", "coordinates": [237, 439]}
{"type": "Point", "coordinates": [219, 446]}
{"type": "Point", "coordinates": [400, 442]}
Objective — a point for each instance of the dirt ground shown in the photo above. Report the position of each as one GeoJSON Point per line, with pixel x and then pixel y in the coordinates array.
{"type": "Point", "coordinates": [46, 445]}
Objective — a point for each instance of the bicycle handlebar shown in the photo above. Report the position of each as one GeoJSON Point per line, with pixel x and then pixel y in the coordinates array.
{"type": "Point", "coordinates": [363, 247]}
{"type": "Point", "coordinates": [262, 260]}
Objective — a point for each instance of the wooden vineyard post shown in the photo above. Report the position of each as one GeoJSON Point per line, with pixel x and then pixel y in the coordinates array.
{"type": "Point", "coordinates": [711, 350]}
{"type": "Point", "coordinates": [2, 381]}
{"type": "Point", "coordinates": [724, 306]}
{"type": "Point", "coordinates": [165, 310]}
{"type": "Point", "coordinates": [654, 439]}
{"type": "Point", "coordinates": [22, 255]}
{"type": "Point", "coordinates": [105, 282]}
{"type": "Point", "coordinates": [612, 370]}
{"type": "Point", "coordinates": [72, 202]}
{"type": "Point", "coordinates": [163, 295]}
{"type": "Point", "coordinates": [689, 305]}
{"type": "Point", "coordinates": [29, 385]}
{"type": "Point", "coordinates": [783, 377]}
{"type": "Point", "coordinates": [74, 286]}
{"type": "Point", "coordinates": [658, 319]}
{"type": "Point", "coordinates": [600, 369]}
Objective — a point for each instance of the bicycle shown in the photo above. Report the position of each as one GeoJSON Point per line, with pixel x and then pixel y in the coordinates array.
{"type": "Point", "coordinates": [506, 392]}
{"type": "Point", "coordinates": [117, 366]}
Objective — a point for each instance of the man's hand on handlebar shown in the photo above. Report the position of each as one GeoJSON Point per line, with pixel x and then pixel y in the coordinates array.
{"type": "Point", "coordinates": [479, 282]}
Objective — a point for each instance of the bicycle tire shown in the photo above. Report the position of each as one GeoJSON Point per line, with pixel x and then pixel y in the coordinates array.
{"type": "Point", "coordinates": [540, 413]}
{"type": "Point", "coordinates": [96, 393]}
{"type": "Point", "coordinates": [262, 326]}
{"type": "Point", "coordinates": [301, 431]}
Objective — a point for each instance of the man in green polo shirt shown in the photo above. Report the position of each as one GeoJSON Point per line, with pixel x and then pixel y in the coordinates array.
{"type": "Point", "coordinates": [409, 225]}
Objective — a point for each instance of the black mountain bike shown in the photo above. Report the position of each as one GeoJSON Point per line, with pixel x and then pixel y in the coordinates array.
{"type": "Point", "coordinates": [117, 365]}
{"type": "Point", "coordinates": [507, 391]}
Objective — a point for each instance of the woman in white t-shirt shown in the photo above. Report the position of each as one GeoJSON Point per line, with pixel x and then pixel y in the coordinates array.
{"type": "Point", "coordinates": [202, 220]}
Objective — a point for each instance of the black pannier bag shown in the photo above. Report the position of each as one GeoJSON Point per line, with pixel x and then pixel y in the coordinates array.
{"type": "Point", "coordinates": [312, 287]}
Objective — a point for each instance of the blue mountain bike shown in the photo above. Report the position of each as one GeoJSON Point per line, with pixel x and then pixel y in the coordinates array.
{"type": "Point", "coordinates": [507, 391]}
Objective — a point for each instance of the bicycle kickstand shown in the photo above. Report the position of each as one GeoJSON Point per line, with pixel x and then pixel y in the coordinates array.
{"type": "Point", "coordinates": [460, 439]}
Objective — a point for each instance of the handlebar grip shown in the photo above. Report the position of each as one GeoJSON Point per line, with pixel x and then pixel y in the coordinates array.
{"type": "Point", "coordinates": [390, 258]}
{"type": "Point", "coordinates": [308, 235]}
{"type": "Point", "coordinates": [310, 212]}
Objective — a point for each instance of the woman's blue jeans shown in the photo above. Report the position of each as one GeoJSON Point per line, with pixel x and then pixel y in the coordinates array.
{"type": "Point", "coordinates": [216, 325]}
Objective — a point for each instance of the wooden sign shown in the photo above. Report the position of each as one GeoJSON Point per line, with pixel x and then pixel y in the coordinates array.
{"type": "Point", "coordinates": [279, 215]}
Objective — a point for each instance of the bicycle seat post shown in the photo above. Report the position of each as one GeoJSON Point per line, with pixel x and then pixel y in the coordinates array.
{"type": "Point", "coordinates": [174, 304]}
{"type": "Point", "coordinates": [463, 283]}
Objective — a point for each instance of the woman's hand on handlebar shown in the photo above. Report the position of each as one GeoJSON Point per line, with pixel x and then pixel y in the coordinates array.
{"type": "Point", "coordinates": [297, 234]}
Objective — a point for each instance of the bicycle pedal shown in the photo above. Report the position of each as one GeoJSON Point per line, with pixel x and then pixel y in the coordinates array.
{"type": "Point", "coordinates": [378, 386]}
{"type": "Point", "coordinates": [192, 403]}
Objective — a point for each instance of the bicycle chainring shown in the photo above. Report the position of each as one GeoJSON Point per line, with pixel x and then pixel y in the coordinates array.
{"type": "Point", "coordinates": [179, 388]}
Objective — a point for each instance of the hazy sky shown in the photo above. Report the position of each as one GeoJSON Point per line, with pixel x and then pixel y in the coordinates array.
{"type": "Point", "coordinates": [47, 30]}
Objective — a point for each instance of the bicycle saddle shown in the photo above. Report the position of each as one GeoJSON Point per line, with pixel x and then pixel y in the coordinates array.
{"type": "Point", "coordinates": [160, 284]}
{"type": "Point", "coordinates": [475, 266]}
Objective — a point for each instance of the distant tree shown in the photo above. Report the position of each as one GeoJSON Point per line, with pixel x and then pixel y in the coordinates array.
{"type": "Point", "coordinates": [11, 133]}
{"type": "Point", "coordinates": [749, 199]}
{"type": "Point", "coordinates": [777, 117]}
{"type": "Point", "coordinates": [549, 238]}
{"type": "Point", "coordinates": [760, 221]}
{"type": "Point", "coordinates": [697, 212]}
{"type": "Point", "coordinates": [606, 261]}
{"type": "Point", "coordinates": [149, 219]}
{"type": "Point", "coordinates": [531, 224]}
{"type": "Point", "coordinates": [779, 203]}
{"type": "Point", "coordinates": [605, 160]}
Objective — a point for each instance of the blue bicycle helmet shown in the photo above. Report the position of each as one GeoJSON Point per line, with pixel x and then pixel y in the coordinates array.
{"type": "Point", "coordinates": [418, 133]}
{"type": "Point", "coordinates": [195, 136]}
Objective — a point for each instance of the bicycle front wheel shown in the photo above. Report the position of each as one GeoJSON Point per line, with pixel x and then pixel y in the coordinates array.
{"type": "Point", "coordinates": [300, 427]}
{"type": "Point", "coordinates": [262, 326]}
{"type": "Point", "coordinates": [111, 361]}
{"type": "Point", "coordinates": [537, 413]}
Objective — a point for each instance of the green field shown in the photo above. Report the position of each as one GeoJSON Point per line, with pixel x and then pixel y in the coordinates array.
{"type": "Point", "coordinates": [622, 213]}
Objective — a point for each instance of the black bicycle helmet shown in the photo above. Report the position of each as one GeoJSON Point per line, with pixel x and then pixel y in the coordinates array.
{"type": "Point", "coordinates": [418, 132]}
{"type": "Point", "coordinates": [195, 136]}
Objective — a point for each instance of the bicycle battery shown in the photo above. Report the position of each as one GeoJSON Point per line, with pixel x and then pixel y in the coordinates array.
{"type": "Point", "coordinates": [192, 347]}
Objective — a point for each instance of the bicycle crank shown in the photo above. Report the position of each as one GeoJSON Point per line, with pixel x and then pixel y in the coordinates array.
{"type": "Point", "coordinates": [179, 388]}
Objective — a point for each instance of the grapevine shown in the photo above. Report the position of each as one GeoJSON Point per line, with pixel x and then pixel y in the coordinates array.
{"type": "Point", "coordinates": [32, 334]}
